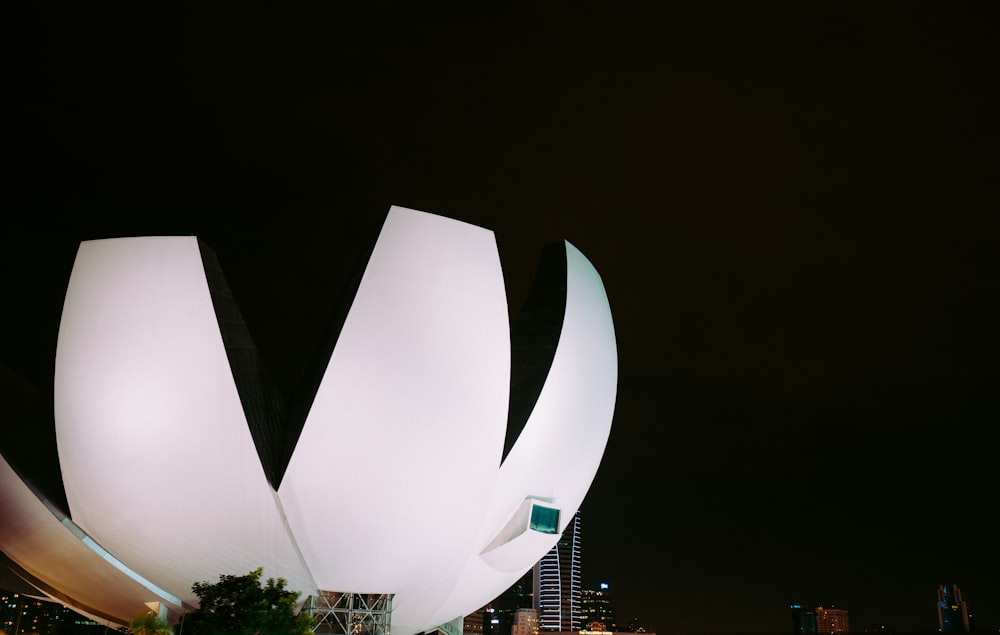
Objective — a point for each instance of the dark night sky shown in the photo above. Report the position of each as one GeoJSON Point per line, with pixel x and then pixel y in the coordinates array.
{"type": "Point", "coordinates": [790, 205]}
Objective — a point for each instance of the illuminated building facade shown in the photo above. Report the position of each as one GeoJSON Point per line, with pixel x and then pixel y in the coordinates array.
{"type": "Point", "coordinates": [182, 462]}
{"type": "Point", "coordinates": [520, 595]}
{"type": "Point", "coordinates": [831, 620]}
{"type": "Point", "coordinates": [477, 622]}
{"type": "Point", "coordinates": [23, 615]}
{"type": "Point", "coordinates": [596, 608]}
{"type": "Point", "coordinates": [952, 611]}
{"type": "Point", "coordinates": [557, 582]}
{"type": "Point", "coordinates": [803, 620]}
{"type": "Point", "coordinates": [525, 622]}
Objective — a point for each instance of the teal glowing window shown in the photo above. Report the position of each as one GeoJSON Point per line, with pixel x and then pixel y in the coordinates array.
{"type": "Point", "coordinates": [544, 519]}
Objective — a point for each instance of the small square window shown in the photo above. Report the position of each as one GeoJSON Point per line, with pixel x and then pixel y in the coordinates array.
{"type": "Point", "coordinates": [544, 519]}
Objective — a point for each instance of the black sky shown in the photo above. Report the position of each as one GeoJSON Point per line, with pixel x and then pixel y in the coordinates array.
{"type": "Point", "coordinates": [791, 206]}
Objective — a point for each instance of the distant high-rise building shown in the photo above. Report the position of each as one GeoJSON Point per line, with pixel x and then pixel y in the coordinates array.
{"type": "Point", "coordinates": [23, 615]}
{"type": "Point", "coordinates": [953, 611]}
{"type": "Point", "coordinates": [831, 620]}
{"type": "Point", "coordinates": [596, 606]}
{"type": "Point", "coordinates": [803, 620]}
{"type": "Point", "coordinates": [557, 582]}
{"type": "Point", "coordinates": [520, 595]}
{"type": "Point", "coordinates": [525, 622]}
{"type": "Point", "coordinates": [476, 623]}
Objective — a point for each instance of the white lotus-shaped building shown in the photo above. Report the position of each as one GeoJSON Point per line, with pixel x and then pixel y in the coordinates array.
{"type": "Point", "coordinates": [435, 454]}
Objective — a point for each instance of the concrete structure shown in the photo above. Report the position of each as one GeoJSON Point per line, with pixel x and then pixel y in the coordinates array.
{"type": "Point", "coordinates": [441, 451]}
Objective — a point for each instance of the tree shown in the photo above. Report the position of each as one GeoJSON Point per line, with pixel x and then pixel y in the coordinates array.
{"type": "Point", "coordinates": [148, 624]}
{"type": "Point", "coordinates": [240, 605]}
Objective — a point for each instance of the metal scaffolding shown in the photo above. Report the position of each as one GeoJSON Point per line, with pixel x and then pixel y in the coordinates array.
{"type": "Point", "coordinates": [339, 613]}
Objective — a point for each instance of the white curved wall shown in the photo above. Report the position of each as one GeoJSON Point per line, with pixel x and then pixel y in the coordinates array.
{"type": "Point", "coordinates": [557, 454]}
{"type": "Point", "coordinates": [395, 485]}
{"type": "Point", "coordinates": [52, 550]}
{"type": "Point", "coordinates": [156, 456]}
{"type": "Point", "coordinates": [390, 477]}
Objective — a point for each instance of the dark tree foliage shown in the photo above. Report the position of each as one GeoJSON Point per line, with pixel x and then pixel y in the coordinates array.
{"type": "Point", "coordinates": [241, 605]}
{"type": "Point", "coordinates": [148, 624]}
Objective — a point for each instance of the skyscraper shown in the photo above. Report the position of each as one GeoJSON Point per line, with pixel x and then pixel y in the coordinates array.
{"type": "Point", "coordinates": [557, 582]}
{"type": "Point", "coordinates": [803, 620]}
{"type": "Point", "coordinates": [24, 614]}
{"type": "Point", "coordinates": [953, 612]}
{"type": "Point", "coordinates": [525, 622]}
{"type": "Point", "coordinates": [596, 606]}
{"type": "Point", "coordinates": [832, 620]}
{"type": "Point", "coordinates": [476, 623]}
{"type": "Point", "coordinates": [504, 607]}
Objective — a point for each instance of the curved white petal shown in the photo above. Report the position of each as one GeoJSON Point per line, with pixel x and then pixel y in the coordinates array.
{"type": "Point", "coordinates": [58, 558]}
{"type": "Point", "coordinates": [391, 475]}
{"type": "Point", "coordinates": [396, 483]}
{"type": "Point", "coordinates": [557, 454]}
{"type": "Point", "coordinates": [156, 456]}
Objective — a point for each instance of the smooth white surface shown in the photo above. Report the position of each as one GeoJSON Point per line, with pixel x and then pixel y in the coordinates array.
{"type": "Point", "coordinates": [387, 484]}
{"type": "Point", "coordinates": [395, 485]}
{"type": "Point", "coordinates": [557, 454]}
{"type": "Point", "coordinates": [52, 550]}
{"type": "Point", "coordinates": [156, 456]}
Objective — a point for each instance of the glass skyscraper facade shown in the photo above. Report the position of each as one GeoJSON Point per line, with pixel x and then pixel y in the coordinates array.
{"type": "Point", "coordinates": [831, 621]}
{"type": "Point", "coordinates": [26, 615]}
{"type": "Point", "coordinates": [596, 607]}
{"type": "Point", "coordinates": [953, 612]}
{"type": "Point", "coordinates": [502, 610]}
{"type": "Point", "coordinates": [557, 586]}
{"type": "Point", "coordinates": [803, 619]}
